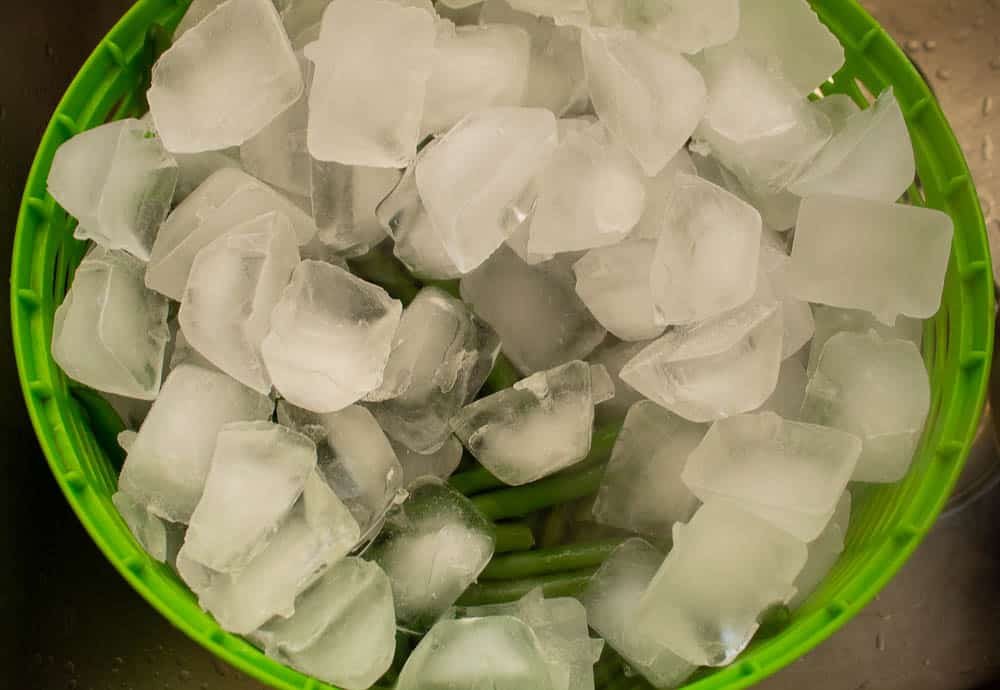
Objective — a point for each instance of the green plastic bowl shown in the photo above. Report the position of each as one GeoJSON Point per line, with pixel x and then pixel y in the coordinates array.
{"type": "Point", "coordinates": [77, 432]}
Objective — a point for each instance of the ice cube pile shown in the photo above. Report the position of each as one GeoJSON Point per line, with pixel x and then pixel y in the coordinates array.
{"type": "Point", "coordinates": [361, 245]}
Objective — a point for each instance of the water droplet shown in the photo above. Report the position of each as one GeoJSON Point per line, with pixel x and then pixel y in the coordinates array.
{"type": "Point", "coordinates": [930, 45]}
{"type": "Point", "coordinates": [913, 46]}
{"type": "Point", "coordinates": [944, 74]}
{"type": "Point", "coordinates": [987, 148]}
{"type": "Point", "coordinates": [987, 105]}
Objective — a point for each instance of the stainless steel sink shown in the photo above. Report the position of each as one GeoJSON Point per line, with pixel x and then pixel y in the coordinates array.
{"type": "Point", "coordinates": [67, 620]}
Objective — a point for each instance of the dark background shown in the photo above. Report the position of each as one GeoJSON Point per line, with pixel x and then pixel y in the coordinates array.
{"type": "Point", "coordinates": [67, 620]}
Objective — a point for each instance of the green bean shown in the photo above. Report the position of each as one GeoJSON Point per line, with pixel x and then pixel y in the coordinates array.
{"type": "Point", "coordinates": [501, 591]}
{"type": "Point", "coordinates": [513, 537]}
{"type": "Point", "coordinates": [547, 561]}
{"type": "Point", "coordinates": [521, 500]}
{"type": "Point", "coordinates": [474, 481]}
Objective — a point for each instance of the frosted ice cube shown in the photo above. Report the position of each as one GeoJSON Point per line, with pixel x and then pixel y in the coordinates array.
{"type": "Point", "coordinates": [228, 198]}
{"type": "Point", "coordinates": [330, 337]}
{"type": "Point", "coordinates": [789, 39]}
{"type": "Point", "coordinates": [258, 472]}
{"type": "Point", "coordinates": [540, 426]}
{"type": "Point", "coordinates": [692, 369]}
{"type": "Point", "coordinates": [797, 316]}
{"type": "Point", "coordinates": [591, 194]}
{"type": "Point", "coordinates": [196, 12]}
{"type": "Point", "coordinates": [465, 55]}
{"type": "Point", "coordinates": [317, 250]}
{"type": "Point", "coordinates": [650, 99]}
{"type": "Point", "coordinates": [344, 200]}
{"type": "Point", "coordinates": [110, 332]}
{"type": "Point", "coordinates": [876, 389]}
{"type": "Point", "coordinates": [726, 568]}
{"type": "Point", "coordinates": [682, 26]}
{"type": "Point", "coordinates": [888, 259]}
{"type": "Point", "coordinates": [788, 473]}
{"type": "Point", "coordinates": [367, 102]}
{"type": "Point", "coordinates": [301, 16]}
{"type": "Point", "coordinates": [642, 489]}
{"type": "Point", "coordinates": [831, 320]}
{"type": "Point", "coordinates": [353, 456]}
{"type": "Point", "coordinates": [613, 355]}
{"type": "Point", "coordinates": [118, 181]}
{"type": "Point", "coordinates": [442, 463]}
{"type": "Point", "coordinates": [225, 79]}
{"type": "Point", "coordinates": [194, 168]}
{"type": "Point", "coordinates": [234, 284]}
{"type": "Point", "coordinates": [786, 400]}
{"type": "Point", "coordinates": [563, 11]}
{"type": "Point", "coordinates": [494, 653]}
{"type": "Point", "coordinates": [441, 356]}
{"type": "Point", "coordinates": [432, 548]}
{"type": "Point", "coordinates": [152, 532]}
{"type": "Point", "coordinates": [839, 108]}
{"type": "Point", "coordinates": [614, 283]}
{"type": "Point", "coordinates": [167, 465]}
{"type": "Point", "coordinates": [343, 630]}
{"type": "Point", "coordinates": [612, 598]}
{"type": "Point", "coordinates": [659, 191]}
{"type": "Point", "coordinates": [823, 552]}
{"type": "Point", "coordinates": [870, 158]}
{"type": "Point", "coordinates": [476, 172]}
{"type": "Point", "coordinates": [317, 533]}
{"type": "Point", "coordinates": [184, 353]}
{"type": "Point", "coordinates": [541, 320]}
{"type": "Point", "coordinates": [707, 253]}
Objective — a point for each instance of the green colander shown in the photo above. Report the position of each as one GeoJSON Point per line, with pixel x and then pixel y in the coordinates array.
{"type": "Point", "coordinates": [77, 435]}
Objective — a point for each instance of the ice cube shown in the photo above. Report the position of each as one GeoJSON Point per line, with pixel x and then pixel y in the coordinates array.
{"type": "Point", "coordinates": [110, 332]}
{"type": "Point", "coordinates": [194, 168]}
{"type": "Point", "coordinates": [129, 410]}
{"type": "Point", "coordinates": [367, 102]}
{"type": "Point", "coordinates": [789, 473]}
{"type": "Point", "coordinates": [494, 653]}
{"type": "Point", "coordinates": [706, 257]}
{"type": "Point", "coordinates": [876, 389]}
{"type": "Point", "coordinates": [613, 355]}
{"type": "Point", "coordinates": [118, 181]}
{"type": "Point", "coordinates": [790, 40]}
{"type": "Point", "coordinates": [642, 489]}
{"type": "Point", "coordinates": [167, 465]}
{"type": "Point", "coordinates": [797, 316]}
{"type": "Point", "coordinates": [870, 158]}
{"type": "Point", "coordinates": [196, 12]}
{"type": "Point", "coordinates": [442, 463]}
{"type": "Point", "coordinates": [301, 16]}
{"type": "Point", "coordinates": [317, 250]}
{"type": "Point", "coordinates": [839, 108]}
{"type": "Point", "coordinates": [184, 353]}
{"type": "Point", "coordinates": [823, 552]}
{"type": "Point", "coordinates": [228, 198]}
{"type": "Point", "coordinates": [612, 599]}
{"type": "Point", "coordinates": [614, 283]}
{"type": "Point", "coordinates": [540, 426]}
{"type": "Point", "coordinates": [225, 79]}
{"type": "Point", "coordinates": [344, 199]}
{"type": "Point", "coordinates": [888, 259]}
{"type": "Point", "coordinates": [234, 284]}
{"type": "Point", "coordinates": [155, 535]}
{"type": "Point", "coordinates": [541, 320]}
{"type": "Point", "coordinates": [476, 172]}
{"type": "Point", "coordinates": [432, 547]}
{"type": "Point", "coordinates": [343, 630]}
{"type": "Point", "coordinates": [563, 11]}
{"type": "Point", "coordinates": [659, 190]}
{"type": "Point", "coordinates": [460, 16]}
{"type": "Point", "coordinates": [831, 320]}
{"type": "Point", "coordinates": [682, 26]}
{"type": "Point", "coordinates": [650, 99]}
{"type": "Point", "coordinates": [786, 400]}
{"type": "Point", "coordinates": [465, 56]}
{"type": "Point", "coordinates": [441, 356]}
{"type": "Point", "coordinates": [353, 456]}
{"type": "Point", "coordinates": [726, 568]}
{"type": "Point", "coordinates": [591, 194]}
{"type": "Point", "coordinates": [317, 533]}
{"type": "Point", "coordinates": [692, 369]}
{"type": "Point", "coordinates": [330, 337]}
{"type": "Point", "coordinates": [258, 472]}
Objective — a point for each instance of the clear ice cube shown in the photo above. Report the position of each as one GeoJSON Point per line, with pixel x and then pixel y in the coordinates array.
{"type": "Point", "coordinates": [788, 473]}
{"type": "Point", "coordinates": [642, 489]}
{"type": "Point", "coordinates": [154, 534]}
{"type": "Point", "coordinates": [476, 172]}
{"type": "Point", "coordinates": [367, 102]}
{"type": "Point", "coordinates": [726, 568]}
{"type": "Point", "coordinates": [889, 259]}
{"type": "Point", "coordinates": [612, 599]}
{"type": "Point", "coordinates": [118, 181]}
{"type": "Point", "coordinates": [432, 548]}
{"type": "Point", "coordinates": [225, 79]}
{"type": "Point", "coordinates": [234, 284]}
{"type": "Point", "coordinates": [831, 320]}
{"type": "Point", "coordinates": [442, 463]}
{"type": "Point", "coordinates": [169, 460]}
{"type": "Point", "coordinates": [876, 389]}
{"type": "Point", "coordinates": [441, 356]}
{"type": "Point", "coordinates": [613, 354]}
{"type": "Point", "coordinates": [540, 426]}
{"type": "Point", "coordinates": [650, 99]}
{"type": "Point", "coordinates": [790, 391]}
{"type": "Point", "coordinates": [194, 168]}
{"type": "Point", "coordinates": [682, 26]}
{"type": "Point", "coordinates": [541, 320]}
{"type": "Point", "coordinates": [614, 283]}
{"type": "Point", "coordinates": [330, 337]}
{"type": "Point", "coordinates": [110, 332]}
{"type": "Point", "coordinates": [344, 199]}
{"type": "Point", "coordinates": [823, 552]}
{"type": "Point", "coordinates": [659, 191]}
{"type": "Point", "coordinates": [797, 317]}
